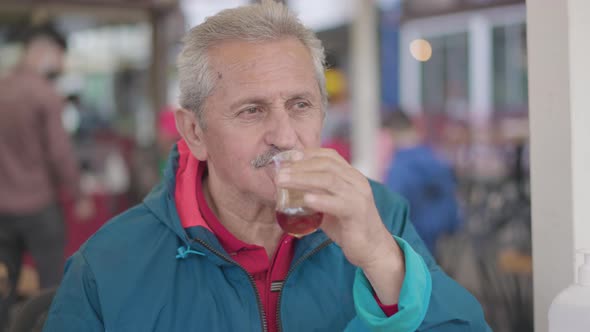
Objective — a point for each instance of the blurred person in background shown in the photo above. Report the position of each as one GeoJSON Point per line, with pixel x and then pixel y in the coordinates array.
{"type": "Point", "coordinates": [456, 145]}
{"type": "Point", "coordinates": [383, 147]}
{"type": "Point", "coordinates": [424, 179]}
{"type": "Point", "coordinates": [204, 250]}
{"type": "Point", "coordinates": [36, 161]}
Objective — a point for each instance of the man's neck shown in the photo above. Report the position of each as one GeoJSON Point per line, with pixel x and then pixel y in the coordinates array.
{"type": "Point", "coordinates": [250, 222]}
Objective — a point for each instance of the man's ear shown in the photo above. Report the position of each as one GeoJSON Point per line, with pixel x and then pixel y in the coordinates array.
{"type": "Point", "coordinates": [190, 130]}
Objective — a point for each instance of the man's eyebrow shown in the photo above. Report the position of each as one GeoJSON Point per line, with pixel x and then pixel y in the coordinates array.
{"type": "Point", "coordinates": [261, 100]}
{"type": "Point", "coordinates": [249, 100]}
{"type": "Point", "coordinates": [299, 95]}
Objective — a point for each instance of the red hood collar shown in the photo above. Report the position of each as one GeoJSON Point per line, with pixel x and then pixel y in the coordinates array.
{"type": "Point", "coordinates": [188, 183]}
{"type": "Point", "coordinates": [191, 203]}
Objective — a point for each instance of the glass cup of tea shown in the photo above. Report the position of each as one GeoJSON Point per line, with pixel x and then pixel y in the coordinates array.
{"type": "Point", "coordinates": [292, 216]}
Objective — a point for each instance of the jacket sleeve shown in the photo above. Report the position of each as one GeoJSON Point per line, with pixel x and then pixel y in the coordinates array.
{"type": "Point", "coordinates": [413, 300]}
{"type": "Point", "coordinates": [429, 299]}
{"type": "Point", "coordinates": [76, 305]}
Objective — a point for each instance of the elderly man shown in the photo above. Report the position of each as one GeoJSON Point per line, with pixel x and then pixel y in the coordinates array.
{"type": "Point", "coordinates": [204, 251]}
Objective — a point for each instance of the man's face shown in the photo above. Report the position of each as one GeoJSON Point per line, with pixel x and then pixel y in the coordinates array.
{"type": "Point", "coordinates": [46, 57]}
{"type": "Point", "coordinates": [266, 100]}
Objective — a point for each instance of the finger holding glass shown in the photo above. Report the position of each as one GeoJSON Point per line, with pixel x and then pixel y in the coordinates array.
{"type": "Point", "coordinates": [351, 219]}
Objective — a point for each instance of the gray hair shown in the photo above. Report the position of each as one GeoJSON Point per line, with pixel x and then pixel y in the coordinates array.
{"type": "Point", "coordinates": [267, 21]}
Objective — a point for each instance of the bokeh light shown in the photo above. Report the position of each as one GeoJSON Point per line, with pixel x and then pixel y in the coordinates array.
{"type": "Point", "coordinates": [421, 50]}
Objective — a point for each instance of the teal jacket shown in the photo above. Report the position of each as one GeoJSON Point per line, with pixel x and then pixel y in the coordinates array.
{"type": "Point", "coordinates": [143, 272]}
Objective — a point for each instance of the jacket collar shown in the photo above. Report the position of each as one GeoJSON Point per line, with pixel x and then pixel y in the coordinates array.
{"type": "Point", "coordinates": [160, 201]}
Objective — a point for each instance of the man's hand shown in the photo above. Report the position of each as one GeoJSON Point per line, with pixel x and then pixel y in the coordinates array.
{"type": "Point", "coordinates": [351, 218]}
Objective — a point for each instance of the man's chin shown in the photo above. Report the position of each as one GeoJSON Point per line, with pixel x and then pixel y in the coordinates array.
{"type": "Point", "coordinates": [268, 194]}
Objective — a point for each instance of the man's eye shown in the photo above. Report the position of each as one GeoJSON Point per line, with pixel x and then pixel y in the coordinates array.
{"type": "Point", "coordinates": [250, 110]}
{"type": "Point", "coordinates": [302, 105]}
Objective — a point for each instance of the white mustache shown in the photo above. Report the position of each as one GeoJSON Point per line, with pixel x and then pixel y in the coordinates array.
{"type": "Point", "coordinates": [265, 158]}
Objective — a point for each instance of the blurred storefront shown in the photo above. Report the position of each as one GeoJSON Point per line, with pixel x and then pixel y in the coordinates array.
{"type": "Point", "coordinates": [119, 60]}
{"type": "Point", "coordinates": [118, 53]}
{"type": "Point", "coordinates": [475, 71]}
{"type": "Point", "coordinates": [457, 66]}
{"type": "Point", "coordinates": [464, 79]}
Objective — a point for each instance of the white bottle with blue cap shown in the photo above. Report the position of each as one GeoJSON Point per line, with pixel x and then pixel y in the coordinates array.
{"type": "Point", "coordinates": [570, 310]}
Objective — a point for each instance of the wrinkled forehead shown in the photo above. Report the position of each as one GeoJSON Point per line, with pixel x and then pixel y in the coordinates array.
{"type": "Point", "coordinates": [254, 64]}
{"type": "Point", "coordinates": [233, 53]}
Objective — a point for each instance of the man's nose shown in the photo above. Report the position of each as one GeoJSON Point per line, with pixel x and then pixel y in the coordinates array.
{"type": "Point", "coordinates": [281, 131]}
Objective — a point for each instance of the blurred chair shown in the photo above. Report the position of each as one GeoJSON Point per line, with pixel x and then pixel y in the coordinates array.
{"type": "Point", "coordinates": [32, 315]}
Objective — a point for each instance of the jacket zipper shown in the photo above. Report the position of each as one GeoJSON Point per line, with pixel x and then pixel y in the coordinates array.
{"type": "Point", "coordinates": [252, 281]}
{"type": "Point", "coordinates": [299, 261]}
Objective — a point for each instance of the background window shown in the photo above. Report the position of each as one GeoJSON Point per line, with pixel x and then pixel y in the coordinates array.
{"type": "Point", "coordinates": [445, 77]}
{"type": "Point", "coordinates": [510, 70]}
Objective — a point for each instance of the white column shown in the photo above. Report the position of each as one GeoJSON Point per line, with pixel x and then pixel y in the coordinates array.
{"type": "Point", "coordinates": [579, 10]}
{"type": "Point", "coordinates": [364, 50]}
{"type": "Point", "coordinates": [480, 69]}
{"type": "Point", "coordinates": [559, 76]}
